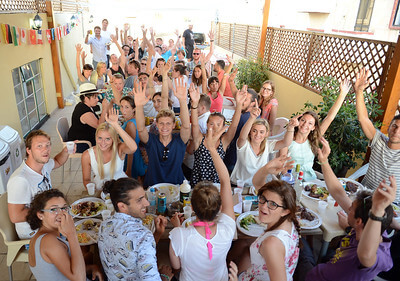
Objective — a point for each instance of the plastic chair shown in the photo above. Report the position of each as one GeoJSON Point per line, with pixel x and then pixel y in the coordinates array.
{"type": "Point", "coordinates": [360, 172]}
{"type": "Point", "coordinates": [278, 131]}
{"type": "Point", "coordinates": [16, 251]}
{"type": "Point", "coordinates": [62, 130]}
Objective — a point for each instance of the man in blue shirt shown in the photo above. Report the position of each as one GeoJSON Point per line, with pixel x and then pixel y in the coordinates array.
{"type": "Point", "coordinates": [99, 46]}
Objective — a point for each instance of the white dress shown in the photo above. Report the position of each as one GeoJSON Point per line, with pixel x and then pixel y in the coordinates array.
{"type": "Point", "coordinates": [118, 173]}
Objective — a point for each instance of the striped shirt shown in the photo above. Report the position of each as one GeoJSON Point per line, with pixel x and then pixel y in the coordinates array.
{"type": "Point", "coordinates": [383, 163]}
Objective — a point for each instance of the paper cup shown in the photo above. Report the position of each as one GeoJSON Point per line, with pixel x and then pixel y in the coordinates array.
{"type": "Point", "coordinates": [322, 206]}
{"type": "Point", "coordinates": [105, 214]}
{"type": "Point", "coordinates": [90, 188]}
{"type": "Point", "coordinates": [70, 147]}
{"type": "Point", "coordinates": [187, 212]}
{"type": "Point", "coordinates": [247, 205]}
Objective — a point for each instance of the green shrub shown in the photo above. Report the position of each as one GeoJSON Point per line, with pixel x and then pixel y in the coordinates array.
{"type": "Point", "coordinates": [251, 73]}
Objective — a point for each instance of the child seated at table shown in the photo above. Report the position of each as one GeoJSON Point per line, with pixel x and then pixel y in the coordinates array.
{"type": "Point", "coordinates": [200, 249]}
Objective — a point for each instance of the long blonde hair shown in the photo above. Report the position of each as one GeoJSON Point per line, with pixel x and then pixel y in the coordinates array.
{"type": "Point", "coordinates": [114, 150]}
{"type": "Point", "coordinates": [260, 121]}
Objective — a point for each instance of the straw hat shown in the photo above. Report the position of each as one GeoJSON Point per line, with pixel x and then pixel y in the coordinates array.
{"type": "Point", "coordinates": [87, 88]}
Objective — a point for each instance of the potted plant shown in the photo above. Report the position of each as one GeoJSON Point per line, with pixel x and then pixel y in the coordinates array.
{"type": "Point", "coordinates": [345, 136]}
{"type": "Point", "coordinates": [251, 73]}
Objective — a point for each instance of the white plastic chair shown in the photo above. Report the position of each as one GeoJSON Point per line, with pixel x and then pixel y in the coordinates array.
{"type": "Point", "coordinates": [278, 131]}
{"type": "Point", "coordinates": [62, 130]}
{"type": "Point", "coordinates": [360, 172]}
{"type": "Point", "coordinates": [16, 251]}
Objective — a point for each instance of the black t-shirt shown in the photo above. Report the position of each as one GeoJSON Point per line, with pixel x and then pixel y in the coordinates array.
{"type": "Point", "coordinates": [189, 38]}
{"type": "Point", "coordinates": [79, 131]}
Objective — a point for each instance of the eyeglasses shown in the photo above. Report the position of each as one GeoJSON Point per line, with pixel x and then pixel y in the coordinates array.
{"type": "Point", "coordinates": [56, 210]}
{"type": "Point", "coordinates": [196, 53]}
{"type": "Point", "coordinates": [270, 204]}
{"type": "Point", "coordinates": [365, 201]}
{"type": "Point", "coordinates": [165, 155]}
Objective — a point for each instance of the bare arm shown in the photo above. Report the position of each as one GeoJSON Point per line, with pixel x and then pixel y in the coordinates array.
{"type": "Point", "coordinates": [86, 168]}
{"type": "Point", "coordinates": [78, 63]}
{"type": "Point", "coordinates": [164, 87]}
{"type": "Point", "coordinates": [87, 37]}
{"type": "Point", "coordinates": [335, 188]}
{"type": "Point", "coordinates": [203, 74]}
{"type": "Point", "coordinates": [122, 58]}
{"type": "Point", "coordinates": [61, 158]}
{"type": "Point", "coordinates": [344, 89]}
{"type": "Point", "coordinates": [288, 138]}
{"type": "Point", "coordinates": [150, 47]}
{"type": "Point", "coordinates": [254, 113]}
{"type": "Point", "coordinates": [367, 248]}
{"type": "Point", "coordinates": [152, 33]}
{"type": "Point", "coordinates": [196, 133]}
{"type": "Point", "coordinates": [180, 93]}
{"type": "Point", "coordinates": [17, 212]}
{"type": "Point", "coordinates": [362, 82]}
{"type": "Point", "coordinates": [273, 252]}
{"type": "Point", "coordinates": [209, 55]}
{"type": "Point", "coordinates": [90, 119]}
{"type": "Point", "coordinates": [272, 117]}
{"type": "Point", "coordinates": [222, 84]}
{"type": "Point", "coordinates": [140, 101]}
{"type": "Point", "coordinates": [232, 84]}
{"type": "Point", "coordinates": [223, 174]}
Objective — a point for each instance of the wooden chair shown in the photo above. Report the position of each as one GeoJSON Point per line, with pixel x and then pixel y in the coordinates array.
{"type": "Point", "coordinates": [62, 130]}
{"type": "Point", "coordinates": [16, 251]}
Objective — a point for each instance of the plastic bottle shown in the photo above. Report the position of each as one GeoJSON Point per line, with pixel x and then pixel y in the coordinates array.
{"type": "Point", "coordinates": [185, 190]}
{"type": "Point", "coordinates": [298, 187]}
{"type": "Point", "coordinates": [152, 197]}
{"type": "Point", "coordinates": [288, 177]}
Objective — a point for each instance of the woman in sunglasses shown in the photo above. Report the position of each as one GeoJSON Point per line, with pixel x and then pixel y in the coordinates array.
{"type": "Point", "coordinates": [273, 255]}
{"type": "Point", "coordinates": [54, 251]}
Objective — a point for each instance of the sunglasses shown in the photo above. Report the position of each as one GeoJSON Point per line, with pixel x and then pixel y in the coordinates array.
{"type": "Point", "coordinates": [196, 53]}
{"type": "Point", "coordinates": [270, 204]}
{"type": "Point", "coordinates": [165, 155]}
{"type": "Point", "coordinates": [143, 63]}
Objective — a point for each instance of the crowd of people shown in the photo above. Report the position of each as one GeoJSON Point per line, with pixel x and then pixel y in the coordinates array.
{"type": "Point", "coordinates": [152, 81]}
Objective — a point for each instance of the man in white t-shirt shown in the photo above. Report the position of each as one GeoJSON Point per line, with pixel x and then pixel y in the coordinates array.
{"type": "Point", "coordinates": [107, 35]}
{"type": "Point", "coordinates": [32, 177]}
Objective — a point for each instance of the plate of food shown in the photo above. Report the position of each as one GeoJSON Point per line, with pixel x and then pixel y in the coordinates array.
{"type": "Point", "coordinates": [315, 191]}
{"type": "Point", "coordinates": [351, 186]}
{"type": "Point", "coordinates": [249, 224]}
{"type": "Point", "coordinates": [87, 231]}
{"type": "Point", "coordinates": [171, 191]}
{"type": "Point", "coordinates": [307, 218]}
{"type": "Point", "coordinates": [148, 221]}
{"type": "Point", "coordinates": [88, 207]}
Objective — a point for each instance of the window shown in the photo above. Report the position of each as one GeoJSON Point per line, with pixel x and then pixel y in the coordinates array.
{"type": "Point", "coordinates": [29, 95]}
{"type": "Point", "coordinates": [395, 18]}
{"type": "Point", "coordinates": [364, 15]}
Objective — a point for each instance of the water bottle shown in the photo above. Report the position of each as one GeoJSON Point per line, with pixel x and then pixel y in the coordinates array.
{"type": "Point", "coordinates": [298, 187]}
{"type": "Point", "coordinates": [288, 177]}
{"type": "Point", "coordinates": [152, 197]}
{"type": "Point", "coordinates": [184, 190]}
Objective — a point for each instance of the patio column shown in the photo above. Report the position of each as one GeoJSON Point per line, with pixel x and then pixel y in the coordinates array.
{"type": "Point", "coordinates": [264, 26]}
{"type": "Point", "coordinates": [391, 93]}
{"type": "Point", "coordinates": [54, 57]}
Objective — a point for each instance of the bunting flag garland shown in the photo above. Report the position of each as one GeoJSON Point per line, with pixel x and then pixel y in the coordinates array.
{"type": "Point", "coordinates": [39, 37]}
{"type": "Point", "coordinates": [15, 35]}
{"type": "Point", "coordinates": [48, 35]}
{"type": "Point", "coordinates": [58, 31]}
{"type": "Point", "coordinates": [52, 34]}
{"type": "Point", "coordinates": [23, 35]}
{"type": "Point", "coordinates": [7, 34]}
{"type": "Point", "coordinates": [4, 31]}
{"type": "Point", "coordinates": [19, 35]}
{"type": "Point", "coordinates": [32, 36]}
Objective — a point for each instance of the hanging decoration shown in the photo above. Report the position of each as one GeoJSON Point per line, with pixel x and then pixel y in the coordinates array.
{"type": "Point", "coordinates": [18, 36]}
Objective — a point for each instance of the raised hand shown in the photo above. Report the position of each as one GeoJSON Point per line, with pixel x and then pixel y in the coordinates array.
{"type": "Point", "coordinates": [241, 96]}
{"type": "Point", "coordinates": [279, 165]}
{"type": "Point", "coordinates": [345, 86]}
{"type": "Point", "coordinates": [383, 196]}
{"type": "Point", "coordinates": [140, 95]}
{"type": "Point", "coordinates": [211, 34]}
{"type": "Point", "coordinates": [362, 80]}
{"type": "Point", "coordinates": [126, 26]}
{"type": "Point", "coordinates": [324, 152]}
{"type": "Point", "coordinates": [113, 38]}
{"type": "Point", "coordinates": [229, 59]}
{"type": "Point", "coordinates": [233, 75]}
{"type": "Point", "coordinates": [78, 48]}
{"type": "Point", "coordinates": [294, 122]}
{"type": "Point", "coordinates": [144, 30]}
{"type": "Point", "coordinates": [255, 111]}
{"type": "Point", "coordinates": [180, 91]}
{"type": "Point", "coordinates": [176, 32]}
{"type": "Point", "coordinates": [194, 95]}
{"type": "Point", "coordinates": [83, 55]}
{"type": "Point", "coordinates": [168, 64]}
{"type": "Point", "coordinates": [213, 137]}
{"type": "Point", "coordinates": [112, 117]}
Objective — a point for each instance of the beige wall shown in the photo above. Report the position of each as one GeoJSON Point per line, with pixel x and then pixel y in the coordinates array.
{"type": "Point", "coordinates": [291, 96]}
{"type": "Point", "coordinates": [14, 56]}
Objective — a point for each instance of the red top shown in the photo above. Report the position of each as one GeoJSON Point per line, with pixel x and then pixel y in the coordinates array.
{"type": "Point", "coordinates": [216, 104]}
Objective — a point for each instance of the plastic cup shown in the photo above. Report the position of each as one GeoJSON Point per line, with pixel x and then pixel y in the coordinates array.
{"type": "Point", "coordinates": [187, 211]}
{"type": "Point", "coordinates": [237, 190]}
{"type": "Point", "coordinates": [322, 206]}
{"type": "Point", "coordinates": [331, 201]}
{"type": "Point", "coordinates": [70, 147]}
{"type": "Point", "coordinates": [240, 184]}
{"type": "Point", "coordinates": [105, 214]}
{"type": "Point", "coordinates": [247, 205]}
{"type": "Point", "coordinates": [91, 188]}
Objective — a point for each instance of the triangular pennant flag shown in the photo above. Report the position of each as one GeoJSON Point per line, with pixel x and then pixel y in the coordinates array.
{"type": "Point", "coordinates": [64, 30]}
{"type": "Point", "coordinates": [23, 35]}
{"type": "Point", "coordinates": [4, 31]}
{"type": "Point", "coordinates": [52, 34]}
{"type": "Point", "coordinates": [19, 35]}
{"type": "Point", "coordinates": [32, 37]}
{"type": "Point", "coordinates": [68, 28]}
{"type": "Point", "coordinates": [39, 37]}
{"type": "Point", "coordinates": [59, 33]}
{"type": "Point", "coordinates": [9, 36]}
{"type": "Point", "coordinates": [48, 35]}
{"type": "Point", "coordinates": [15, 35]}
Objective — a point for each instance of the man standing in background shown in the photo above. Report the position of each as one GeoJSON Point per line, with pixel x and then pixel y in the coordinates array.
{"type": "Point", "coordinates": [188, 41]}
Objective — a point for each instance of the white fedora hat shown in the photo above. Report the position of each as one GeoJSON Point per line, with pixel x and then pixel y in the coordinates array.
{"type": "Point", "coordinates": [87, 88]}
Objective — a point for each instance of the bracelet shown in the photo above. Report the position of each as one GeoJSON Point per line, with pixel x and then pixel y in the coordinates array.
{"type": "Point", "coordinates": [165, 276]}
{"type": "Point", "coordinates": [195, 107]}
{"type": "Point", "coordinates": [211, 40]}
{"type": "Point", "coordinates": [323, 163]}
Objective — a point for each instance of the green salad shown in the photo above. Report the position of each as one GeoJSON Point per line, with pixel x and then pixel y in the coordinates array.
{"type": "Point", "coordinates": [246, 221]}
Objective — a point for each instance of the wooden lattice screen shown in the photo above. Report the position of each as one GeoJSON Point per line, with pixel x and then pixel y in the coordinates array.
{"type": "Point", "coordinates": [303, 56]}
{"type": "Point", "coordinates": [16, 6]}
{"type": "Point", "coordinates": [240, 39]}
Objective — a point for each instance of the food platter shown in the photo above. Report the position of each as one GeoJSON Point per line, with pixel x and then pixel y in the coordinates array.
{"type": "Point", "coordinates": [322, 191]}
{"type": "Point", "coordinates": [396, 210]}
{"type": "Point", "coordinates": [171, 191]}
{"type": "Point", "coordinates": [87, 231]}
{"type": "Point", "coordinates": [88, 207]}
{"type": "Point", "coordinates": [351, 186]}
{"type": "Point", "coordinates": [148, 222]}
{"type": "Point", "coordinates": [254, 229]}
{"type": "Point", "coordinates": [304, 219]}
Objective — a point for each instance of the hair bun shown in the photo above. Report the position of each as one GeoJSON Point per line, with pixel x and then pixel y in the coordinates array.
{"type": "Point", "coordinates": [108, 186]}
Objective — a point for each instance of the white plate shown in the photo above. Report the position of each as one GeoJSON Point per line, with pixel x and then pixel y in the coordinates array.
{"type": "Point", "coordinates": [396, 209]}
{"type": "Point", "coordinates": [305, 193]}
{"type": "Point", "coordinates": [88, 199]}
{"type": "Point", "coordinates": [306, 224]}
{"type": "Point", "coordinates": [92, 234]}
{"type": "Point", "coordinates": [171, 191]}
{"type": "Point", "coordinates": [255, 230]}
{"type": "Point", "coordinates": [186, 223]}
{"type": "Point", "coordinates": [151, 226]}
{"type": "Point", "coordinates": [359, 185]}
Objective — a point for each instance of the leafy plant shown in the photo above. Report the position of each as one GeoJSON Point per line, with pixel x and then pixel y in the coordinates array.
{"type": "Point", "coordinates": [345, 136]}
{"type": "Point", "coordinates": [251, 73]}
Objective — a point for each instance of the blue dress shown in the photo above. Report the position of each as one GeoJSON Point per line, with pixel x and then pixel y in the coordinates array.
{"type": "Point", "coordinates": [138, 166]}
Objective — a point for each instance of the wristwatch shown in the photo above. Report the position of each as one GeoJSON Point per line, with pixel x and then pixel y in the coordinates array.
{"type": "Point", "coordinates": [375, 218]}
